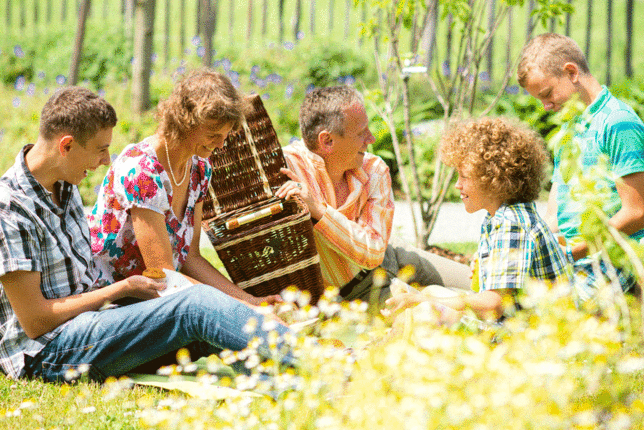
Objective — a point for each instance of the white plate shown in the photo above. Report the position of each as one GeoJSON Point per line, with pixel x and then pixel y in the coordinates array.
{"type": "Point", "coordinates": [174, 282]}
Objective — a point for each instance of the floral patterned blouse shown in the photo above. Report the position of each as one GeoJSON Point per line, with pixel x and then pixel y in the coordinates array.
{"type": "Point", "coordinates": [137, 179]}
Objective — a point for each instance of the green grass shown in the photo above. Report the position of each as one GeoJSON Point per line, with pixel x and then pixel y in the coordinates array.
{"type": "Point", "coordinates": [466, 248]}
{"type": "Point", "coordinates": [555, 364]}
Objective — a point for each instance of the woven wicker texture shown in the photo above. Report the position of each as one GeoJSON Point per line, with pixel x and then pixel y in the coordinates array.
{"type": "Point", "coordinates": [271, 253]}
{"type": "Point", "coordinates": [242, 171]}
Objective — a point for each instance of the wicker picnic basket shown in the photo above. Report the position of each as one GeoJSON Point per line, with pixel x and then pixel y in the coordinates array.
{"type": "Point", "coordinates": [265, 243]}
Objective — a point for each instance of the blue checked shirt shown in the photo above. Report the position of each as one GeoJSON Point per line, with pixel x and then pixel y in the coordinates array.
{"type": "Point", "coordinates": [38, 236]}
{"type": "Point", "coordinates": [516, 244]}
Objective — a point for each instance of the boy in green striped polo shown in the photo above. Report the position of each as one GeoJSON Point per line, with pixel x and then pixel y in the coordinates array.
{"type": "Point", "coordinates": [553, 69]}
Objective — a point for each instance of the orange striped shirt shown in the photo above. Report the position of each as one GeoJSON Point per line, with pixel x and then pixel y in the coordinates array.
{"type": "Point", "coordinates": [354, 236]}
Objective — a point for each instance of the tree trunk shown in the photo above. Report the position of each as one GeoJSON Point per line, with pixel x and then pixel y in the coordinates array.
{"type": "Point", "coordinates": [629, 39]}
{"type": "Point", "coordinates": [166, 34]}
{"type": "Point", "coordinates": [36, 14]}
{"type": "Point", "coordinates": [609, 39]}
{"type": "Point", "coordinates": [231, 22]}
{"type": "Point", "coordinates": [428, 39]}
{"type": "Point", "coordinates": [208, 25]}
{"type": "Point", "coordinates": [448, 46]}
{"type": "Point", "coordinates": [129, 17]}
{"type": "Point", "coordinates": [312, 17]}
{"type": "Point", "coordinates": [347, 18]}
{"type": "Point", "coordinates": [182, 27]}
{"type": "Point", "coordinates": [413, 42]}
{"type": "Point", "coordinates": [8, 13]}
{"type": "Point", "coordinates": [296, 19]}
{"type": "Point", "coordinates": [143, 39]}
{"type": "Point", "coordinates": [199, 19]}
{"type": "Point", "coordinates": [508, 48]}
{"type": "Point", "coordinates": [249, 30]}
{"type": "Point", "coordinates": [553, 25]}
{"type": "Point", "coordinates": [78, 44]}
{"type": "Point", "coordinates": [331, 7]}
{"type": "Point", "coordinates": [214, 9]}
{"type": "Point", "coordinates": [530, 24]}
{"type": "Point", "coordinates": [63, 10]}
{"type": "Point", "coordinates": [589, 24]}
{"type": "Point", "coordinates": [568, 21]}
{"type": "Point", "coordinates": [363, 18]}
{"type": "Point", "coordinates": [280, 13]}
{"type": "Point", "coordinates": [264, 17]}
{"type": "Point", "coordinates": [23, 14]}
{"type": "Point", "coordinates": [49, 11]}
{"type": "Point", "coordinates": [490, 50]}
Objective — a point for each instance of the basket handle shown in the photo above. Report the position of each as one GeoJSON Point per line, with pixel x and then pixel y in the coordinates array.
{"type": "Point", "coordinates": [258, 162]}
{"type": "Point", "coordinates": [253, 216]}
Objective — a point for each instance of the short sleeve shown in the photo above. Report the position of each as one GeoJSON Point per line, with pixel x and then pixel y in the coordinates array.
{"type": "Point", "coordinates": [625, 143]}
{"type": "Point", "coordinates": [138, 182]}
{"type": "Point", "coordinates": [19, 244]}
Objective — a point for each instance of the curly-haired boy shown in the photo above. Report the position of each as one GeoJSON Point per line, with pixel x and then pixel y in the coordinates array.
{"type": "Point", "coordinates": [500, 169]}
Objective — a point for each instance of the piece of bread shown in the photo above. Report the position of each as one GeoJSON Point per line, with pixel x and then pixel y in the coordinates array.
{"type": "Point", "coordinates": [154, 273]}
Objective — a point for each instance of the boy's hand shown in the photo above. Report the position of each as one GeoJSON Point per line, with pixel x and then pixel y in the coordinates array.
{"type": "Point", "coordinates": [397, 304]}
{"type": "Point", "coordinates": [142, 287]}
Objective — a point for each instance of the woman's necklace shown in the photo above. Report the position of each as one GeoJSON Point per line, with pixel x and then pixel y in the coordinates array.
{"type": "Point", "coordinates": [185, 171]}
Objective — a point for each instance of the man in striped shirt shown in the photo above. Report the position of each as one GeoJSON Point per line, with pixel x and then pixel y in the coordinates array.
{"type": "Point", "coordinates": [348, 192]}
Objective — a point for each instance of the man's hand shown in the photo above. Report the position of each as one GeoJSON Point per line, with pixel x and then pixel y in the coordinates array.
{"type": "Point", "coordinates": [295, 187]}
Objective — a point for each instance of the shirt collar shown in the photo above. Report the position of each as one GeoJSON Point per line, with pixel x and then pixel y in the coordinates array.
{"type": "Point", "coordinates": [600, 100]}
{"type": "Point", "coordinates": [31, 186]}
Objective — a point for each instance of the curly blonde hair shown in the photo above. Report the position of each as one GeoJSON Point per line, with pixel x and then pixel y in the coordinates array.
{"type": "Point", "coordinates": [507, 157]}
{"type": "Point", "coordinates": [200, 96]}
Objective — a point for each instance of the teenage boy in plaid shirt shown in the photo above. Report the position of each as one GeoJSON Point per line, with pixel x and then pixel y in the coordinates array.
{"type": "Point", "coordinates": [500, 169]}
{"type": "Point", "coordinates": [348, 192]}
{"type": "Point", "coordinates": [51, 316]}
{"type": "Point", "coordinates": [553, 69]}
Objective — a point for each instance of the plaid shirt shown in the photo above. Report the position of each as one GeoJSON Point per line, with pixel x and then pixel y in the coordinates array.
{"type": "Point", "coordinates": [516, 243]}
{"type": "Point", "coordinates": [354, 236]}
{"type": "Point", "coordinates": [38, 236]}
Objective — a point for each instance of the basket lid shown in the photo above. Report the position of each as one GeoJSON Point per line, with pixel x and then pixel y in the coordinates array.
{"type": "Point", "coordinates": [246, 169]}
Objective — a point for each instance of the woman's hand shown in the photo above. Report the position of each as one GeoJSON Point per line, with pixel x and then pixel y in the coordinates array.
{"type": "Point", "coordinates": [142, 287]}
{"type": "Point", "coordinates": [270, 300]}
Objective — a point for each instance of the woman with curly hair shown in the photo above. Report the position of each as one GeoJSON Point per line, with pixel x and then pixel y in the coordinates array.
{"type": "Point", "coordinates": [500, 169]}
{"type": "Point", "coordinates": [149, 207]}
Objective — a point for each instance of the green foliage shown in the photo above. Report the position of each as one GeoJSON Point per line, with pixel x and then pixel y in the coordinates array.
{"type": "Point", "coordinates": [106, 56]}
{"type": "Point", "coordinates": [527, 109]}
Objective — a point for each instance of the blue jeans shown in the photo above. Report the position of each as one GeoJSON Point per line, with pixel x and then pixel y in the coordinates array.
{"type": "Point", "coordinates": [115, 341]}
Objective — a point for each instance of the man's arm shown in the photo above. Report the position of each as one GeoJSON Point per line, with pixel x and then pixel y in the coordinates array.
{"type": "Point", "coordinates": [630, 218]}
{"type": "Point", "coordinates": [38, 315]}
